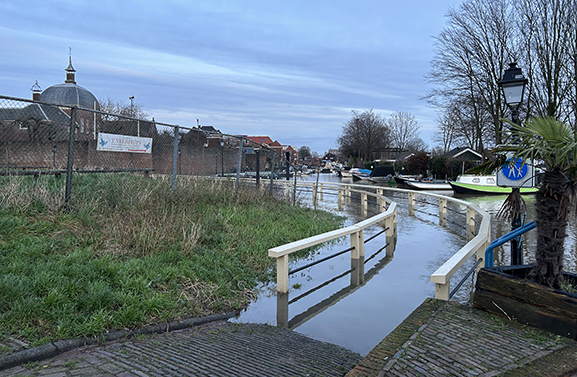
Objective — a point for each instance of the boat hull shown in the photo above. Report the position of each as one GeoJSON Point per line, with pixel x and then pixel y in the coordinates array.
{"type": "Point", "coordinates": [469, 188]}
{"type": "Point", "coordinates": [428, 185]}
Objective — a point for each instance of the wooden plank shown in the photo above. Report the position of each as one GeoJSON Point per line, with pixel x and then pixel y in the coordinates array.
{"type": "Point", "coordinates": [523, 290]}
{"type": "Point", "coordinates": [526, 313]}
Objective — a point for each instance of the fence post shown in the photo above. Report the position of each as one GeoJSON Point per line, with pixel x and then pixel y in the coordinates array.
{"type": "Point", "coordinates": [358, 242]}
{"type": "Point", "coordinates": [411, 203]}
{"type": "Point", "coordinates": [282, 278]}
{"type": "Point", "coordinates": [364, 204]}
{"type": "Point", "coordinates": [470, 224]}
{"type": "Point", "coordinates": [322, 192]}
{"type": "Point", "coordinates": [174, 157]}
{"type": "Point", "coordinates": [442, 212]}
{"type": "Point", "coordinates": [70, 164]}
{"type": "Point", "coordinates": [442, 291]}
{"type": "Point", "coordinates": [238, 166]}
{"type": "Point", "coordinates": [481, 251]}
{"type": "Point", "coordinates": [341, 198]}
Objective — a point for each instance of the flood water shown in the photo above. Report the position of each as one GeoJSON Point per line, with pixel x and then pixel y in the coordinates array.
{"type": "Point", "coordinates": [324, 304]}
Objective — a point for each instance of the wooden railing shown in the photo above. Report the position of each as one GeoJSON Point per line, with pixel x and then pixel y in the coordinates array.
{"type": "Point", "coordinates": [476, 245]}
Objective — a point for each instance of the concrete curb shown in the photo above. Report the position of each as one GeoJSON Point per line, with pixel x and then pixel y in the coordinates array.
{"type": "Point", "coordinates": [52, 349]}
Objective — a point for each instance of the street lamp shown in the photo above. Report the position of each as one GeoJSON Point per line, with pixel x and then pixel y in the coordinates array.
{"type": "Point", "coordinates": [513, 85]}
{"type": "Point", "coordinates": [222, 156]}
{"type": "Point", "coordinates": [131, 113]}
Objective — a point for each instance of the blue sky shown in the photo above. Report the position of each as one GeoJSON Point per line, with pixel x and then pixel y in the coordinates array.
{"type": "Point", "coordinates": [291, 70]}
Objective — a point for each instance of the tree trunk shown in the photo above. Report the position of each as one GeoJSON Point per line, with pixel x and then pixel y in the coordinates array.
{"type": "Point", "coordinates": [551, 231]}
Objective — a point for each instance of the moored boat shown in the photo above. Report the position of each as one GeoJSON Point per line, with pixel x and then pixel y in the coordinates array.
{"type": "Point", "coordinates": [360, 174]}
{"type": "Point", "coordinates": [434, 184]}
{"type": "Point", "coordinates": [382, 174]}
{"type": "Point", "coordinates": [484, 185]}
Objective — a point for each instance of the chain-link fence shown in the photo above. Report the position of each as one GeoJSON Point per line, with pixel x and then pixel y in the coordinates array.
{"type": "Point", "coordinates": [35, 140]}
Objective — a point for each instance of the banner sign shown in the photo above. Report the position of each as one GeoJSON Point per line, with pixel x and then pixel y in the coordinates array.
{"type": "Point", "coordinates": [123, 143]}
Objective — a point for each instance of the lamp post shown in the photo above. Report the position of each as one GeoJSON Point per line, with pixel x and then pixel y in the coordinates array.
{"type": "Point", "coordinates": [513, 85]}
{"type": "Point", "coordinates": [222, 156]}
{"type": "Point", "coordinates": [131, 98]}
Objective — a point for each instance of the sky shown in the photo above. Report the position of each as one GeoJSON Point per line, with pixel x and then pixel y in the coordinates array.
{"type": "Point", "coordinates": [291, 70]}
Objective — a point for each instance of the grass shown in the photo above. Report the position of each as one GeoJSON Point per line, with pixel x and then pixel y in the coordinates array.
{"type": "Point", "coordinates": [128, 252]}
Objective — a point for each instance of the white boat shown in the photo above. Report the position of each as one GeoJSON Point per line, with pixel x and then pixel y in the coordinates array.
{"type": "Point", "coordinates": [485, 185]}
{"type": "Point", "coordinates": [434, 184]}
{"type": "Point", "coordinates": [360, 174]}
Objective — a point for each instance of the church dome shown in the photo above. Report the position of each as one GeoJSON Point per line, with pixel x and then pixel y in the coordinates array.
{"type": "Point", "coordinates": [69, 93]}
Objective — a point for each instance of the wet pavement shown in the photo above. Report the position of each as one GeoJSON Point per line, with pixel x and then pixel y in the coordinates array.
{"type": "Point", "coordinates": [437, 339]}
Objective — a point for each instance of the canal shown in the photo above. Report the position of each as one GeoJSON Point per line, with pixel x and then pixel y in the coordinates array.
{"type": "Point", "coordinates": [324, 305]}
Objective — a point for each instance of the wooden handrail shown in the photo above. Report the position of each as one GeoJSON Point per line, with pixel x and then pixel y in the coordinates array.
{"type": "Point", "coordinates": [476, 244]}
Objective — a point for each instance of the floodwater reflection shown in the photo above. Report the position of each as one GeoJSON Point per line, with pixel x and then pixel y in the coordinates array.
{"type": "Point", "coordinates": [358, 277]}
{"type": "Point", "coordinates": [359, 310]}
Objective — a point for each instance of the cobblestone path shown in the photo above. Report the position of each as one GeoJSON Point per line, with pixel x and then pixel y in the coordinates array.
{"type": "Point", "coordinates": [216, 349]}
{"type": "Point", "coordinates": [443, 339]}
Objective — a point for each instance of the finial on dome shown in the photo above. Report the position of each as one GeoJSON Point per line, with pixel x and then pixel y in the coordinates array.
{"type": "Point", "coordinates": [36, 90]}
{"type": "Point", "coordinates": [70, 69]}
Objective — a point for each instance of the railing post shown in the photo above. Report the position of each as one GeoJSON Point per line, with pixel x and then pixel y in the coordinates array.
{"type": "Point", "coordinates": [282, 279]}
{"type": "Point", "coordinates": [358, 242]}
{"type": "Point", "coordinates": [481, 251]}
{"type": "Point", "coordinates": [470, 223]}
{"type": "Point", "coordinates": [442, 212]}
{"type": "Point", "coordinates": [442, 291]}
{"type": "Point", "coordinates": [321, 187]}
{"type": "Point", "coordinates": [315, 192]}
{"type": "Point", "coordinates": [364, 204]}
{"type": "Point", "coordinates": [341, 199]}
{"type": "Point", "coordinates": [411, 203]}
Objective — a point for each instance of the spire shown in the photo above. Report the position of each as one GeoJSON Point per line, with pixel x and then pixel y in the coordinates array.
{"type": "Point", "coordinates": [70, 69]}
{"type": "Point", "coordinates": [36, 90]}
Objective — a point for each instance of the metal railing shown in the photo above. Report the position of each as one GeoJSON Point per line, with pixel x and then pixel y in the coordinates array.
{"type": "Point", "coordinates": [476, 242]}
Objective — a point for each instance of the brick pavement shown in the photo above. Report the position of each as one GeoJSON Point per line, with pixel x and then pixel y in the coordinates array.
{"type": "Point", "coordinates": [437, 339]}
{"type": "Point", "coordinates": [215, 349]}
{"type": "Point", "coordinates": [440, 339]}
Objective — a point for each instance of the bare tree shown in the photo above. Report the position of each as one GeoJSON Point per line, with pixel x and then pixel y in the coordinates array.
{"type": "Point", "coordinates": [470, 56]}
{"type": "Point", "coordinates": [404, 131]}
{"type": "Point", "coordinates": [549, 29]}
{"type": "Point", "coordinates": [364, 134]}
{"type": "Point", "coordinates": [480, 39]}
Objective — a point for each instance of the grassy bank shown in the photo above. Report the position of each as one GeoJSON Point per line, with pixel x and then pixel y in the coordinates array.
{"type": "Point", "coordinates": [129, 253]}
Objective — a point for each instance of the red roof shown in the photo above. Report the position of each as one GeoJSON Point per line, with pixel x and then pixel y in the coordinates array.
{"type": "Point", "coordinates": [275, 144]}
{"type": "Point", "coordinates": [260, 139]}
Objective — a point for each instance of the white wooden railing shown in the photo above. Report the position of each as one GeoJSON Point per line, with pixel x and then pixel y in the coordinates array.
{"type": "Point", "coordinates": [476, 245]}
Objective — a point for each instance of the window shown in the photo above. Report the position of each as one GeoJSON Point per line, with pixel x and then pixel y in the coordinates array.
{"type": "Point", "coordinates": [490, 181]}
{"type": "Point", "coordinates": [476, 180]}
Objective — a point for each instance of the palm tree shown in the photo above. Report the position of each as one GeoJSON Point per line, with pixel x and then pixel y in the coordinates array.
{"type": "Point", "coordinates": [554, 143]}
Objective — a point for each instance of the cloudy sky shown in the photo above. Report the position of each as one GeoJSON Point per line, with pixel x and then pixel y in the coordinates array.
{"type": "Point", "coordinates": [291, 70]}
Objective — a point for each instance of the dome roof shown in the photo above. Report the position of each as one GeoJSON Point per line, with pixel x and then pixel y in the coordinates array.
{"type": "Point", "coordinates": [69, 94]}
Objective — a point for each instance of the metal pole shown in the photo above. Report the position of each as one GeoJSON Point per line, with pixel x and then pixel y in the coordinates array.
{"type": "Point", "coordinates": [174, 158]}
{"type": "Point", "coordinates": [222, 159]}
{"type": "Point", "coordinates": [272, 171]}
{"type": "Point", "coordinates": [516, 245]}
{"type": "Point", "coordinates": [287, 155]}
{"type": "Point", "coordinates": [69, 166]}
{"type": "Point", "coordinates": [240, 145]}
{"type": "Point", "coordinates": [257, 167]}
